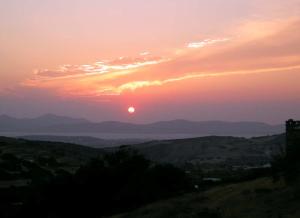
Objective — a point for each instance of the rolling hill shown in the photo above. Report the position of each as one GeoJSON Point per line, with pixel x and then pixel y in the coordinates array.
{"type": "Point", "coordinates": [214, 149]}
{"type": "Point", "coordinates": [66, 154]}
{"type": "Point", "coordinates": [84, 140]}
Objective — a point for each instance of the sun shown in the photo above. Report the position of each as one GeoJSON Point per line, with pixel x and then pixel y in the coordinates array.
{"type": "Point", "coordinates": [131, 110]}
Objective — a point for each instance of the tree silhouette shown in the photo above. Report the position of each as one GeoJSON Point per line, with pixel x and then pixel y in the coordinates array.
{"type": "Point", "coordinates": [114, 183]}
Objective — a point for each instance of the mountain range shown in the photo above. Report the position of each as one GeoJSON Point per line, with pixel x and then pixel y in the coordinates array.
{"type": "Point", "coordinates": [60, 124]}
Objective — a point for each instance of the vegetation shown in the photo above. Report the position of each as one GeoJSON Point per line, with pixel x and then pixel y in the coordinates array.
{"type": "Point", "coordinates": [258, 198]}
{"type": "Point", "coordinates": [43, 179]}
{"type": "Point", "coordinates": [67, 156]}
{"type": "Point", "coordinates": [113, 183]}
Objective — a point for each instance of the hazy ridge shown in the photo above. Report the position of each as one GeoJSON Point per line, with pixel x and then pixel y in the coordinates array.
{"type": "Point", "coordinates": [57, 124]}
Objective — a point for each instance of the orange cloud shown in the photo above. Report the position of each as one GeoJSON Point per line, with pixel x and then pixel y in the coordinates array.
{"type": "Point", "coordinates": [100, 67]}
{"type": "Point", "coordinates": [253, 48]}
{"type": "Point", "coordinates": [206, 42]}
{"type": "Point", "coordinates": [132, 86]}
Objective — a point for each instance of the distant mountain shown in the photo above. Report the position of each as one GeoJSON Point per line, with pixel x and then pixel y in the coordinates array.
{"type": "Point", "coordinates": [8, 123]}
{"type": "Point", "coordinates": [57, 124]}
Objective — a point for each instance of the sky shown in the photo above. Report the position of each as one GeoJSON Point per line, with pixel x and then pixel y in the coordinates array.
{"type": "Point", "coordinates": [198, 60]}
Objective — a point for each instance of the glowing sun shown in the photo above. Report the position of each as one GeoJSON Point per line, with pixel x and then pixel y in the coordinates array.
{"type": "Point", "coordinates": [131, 110]}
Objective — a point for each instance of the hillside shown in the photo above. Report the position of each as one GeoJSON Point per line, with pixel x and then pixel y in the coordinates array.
{"type": "Point", "coordinates": [214, 150]}
{"type": "Point", "coordinates": [67, 155]}
{"type": "Point", "coordinates": [209, 151]}
{"type": "Point", "coordinates": [260, 198]}
{"type": "Point", "coordinates": [40, 179]}
{"type": "Point", "coordinates": [224, 158]}
{"type": "Point", "coordinates": [23, 161]}
{"type": "Point", "coordinates": [84, 140]}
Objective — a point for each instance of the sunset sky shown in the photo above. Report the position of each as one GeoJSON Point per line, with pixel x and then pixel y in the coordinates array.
{"type": "Point", "coordinates": [228, 60]}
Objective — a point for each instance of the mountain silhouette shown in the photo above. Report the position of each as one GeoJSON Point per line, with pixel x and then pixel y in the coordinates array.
{"type": "Point", "coordinates": [60, 124]}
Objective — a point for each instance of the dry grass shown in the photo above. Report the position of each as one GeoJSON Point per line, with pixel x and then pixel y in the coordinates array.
{"type": "Point", "coordinates": [254, 199]}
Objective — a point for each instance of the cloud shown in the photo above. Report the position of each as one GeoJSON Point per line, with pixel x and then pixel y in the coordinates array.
{"type": "Point", "coordinates": [145, 53]}
{"type": "Point", "coordinates": [132, 86]}
{"type": "Point", "coordinates": [206, 42]}
{"type": "Point", "coordinates": [256, 47]}
{"type": "Point", "coordinates": [100, 67]}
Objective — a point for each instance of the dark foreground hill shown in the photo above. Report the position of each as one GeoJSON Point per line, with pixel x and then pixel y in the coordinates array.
{"type": "Point", "coordinates": [36, 180]}
{"type": "Point", "coordinates": [260, 198]}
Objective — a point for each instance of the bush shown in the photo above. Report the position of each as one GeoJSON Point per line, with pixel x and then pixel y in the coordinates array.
{"type": "Point", "coordinates": [115, 183]}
